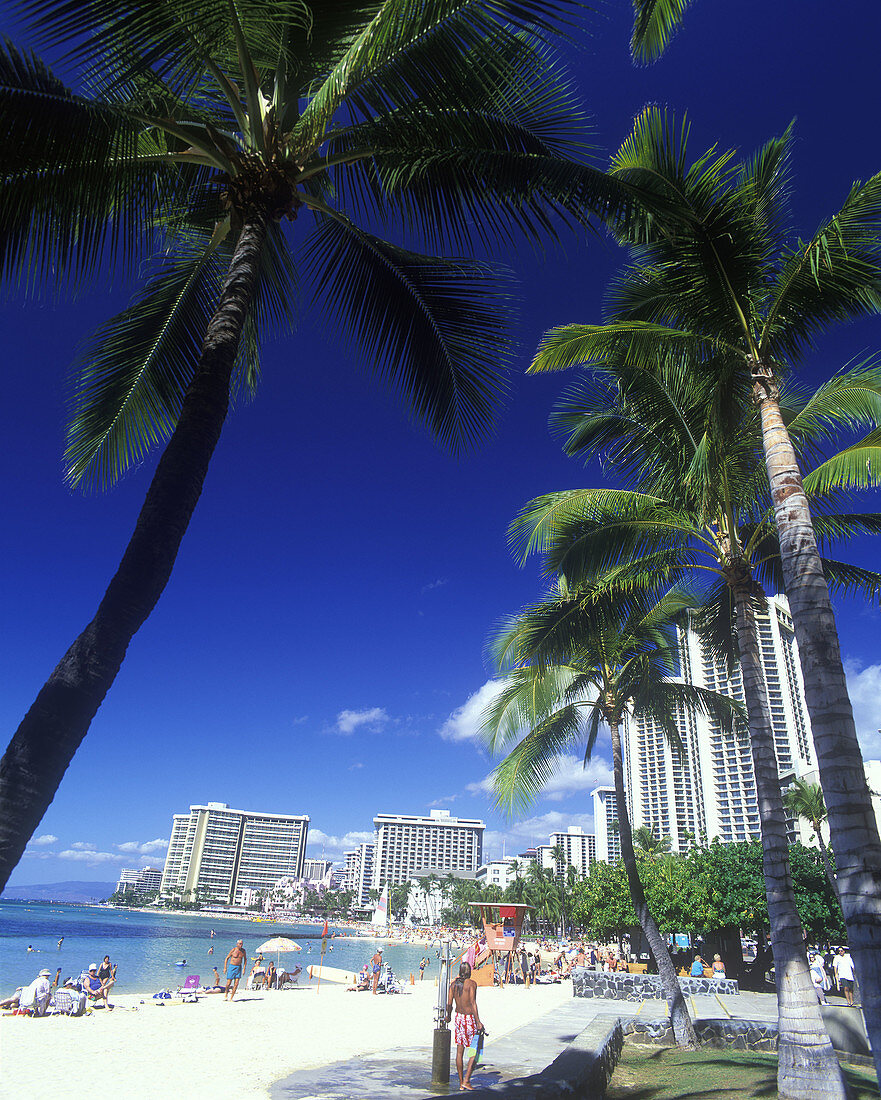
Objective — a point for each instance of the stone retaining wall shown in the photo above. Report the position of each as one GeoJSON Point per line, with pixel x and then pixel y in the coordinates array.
{"type": "Point", "coordinates": [641, 987]}
{"type": "Point", "coordinates": [723, 1034]}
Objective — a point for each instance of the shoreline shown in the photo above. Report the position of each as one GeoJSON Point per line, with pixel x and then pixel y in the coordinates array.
{"type": "Point", "coordinates": [238, 1050]}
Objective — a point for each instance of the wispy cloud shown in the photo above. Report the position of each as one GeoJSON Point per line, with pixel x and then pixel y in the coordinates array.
{"type": "Point", "coordinates": [443, 801]}
{"type": "Point", "coordinates": [91, 857]}
{"type": "Point", "coordinates": [355, 766]}
{"type": "Point", "coordinates": [300, 720]}
{"type": "Point", "coordinates": [42, 841]}
{"type": "Point", "coordinates": [335, 847]}
{"type": "Point", "coordinates": [347, 721]}
{"type": "Point", "coordinates": [84, 846]}
{"type": "Point", "coordinates": [465, 722]}
{"type": "Point", "coordinates": [531, 832]}
{"type": "Point", "coordinates": [439, 583]}
{"type": "Point", "coordinates": [143, 848]}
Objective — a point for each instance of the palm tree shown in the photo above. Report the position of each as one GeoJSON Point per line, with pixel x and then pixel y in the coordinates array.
{"type": "Point", "coordinates": [650, 845]}
{"type": "Point", "coordinates": [700, 510]}
{"type": "Point", "coordinates": [251, 144]}
{"type": "Point", "coordinates": [733, 294]}
{"type": "Point", "coordinates": [805, 800]}
{"type": "Point", "coordinates": [580, 658]}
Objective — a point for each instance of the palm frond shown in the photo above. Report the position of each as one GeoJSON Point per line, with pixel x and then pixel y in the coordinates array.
{"type": "Point", "coordinates": [532, 763]}
{"type": "Point", "coordinates": [430, 325]}
{"type": "Point", "coordinates": [82, 183]}
{"type": "Point", "coordinates": [132, 374]}
{"type": "Point", "coordinates": [654, 24]}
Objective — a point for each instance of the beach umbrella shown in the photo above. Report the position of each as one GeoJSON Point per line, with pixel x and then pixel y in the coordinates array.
{"type": "Point", "coordinates": [280, 945]}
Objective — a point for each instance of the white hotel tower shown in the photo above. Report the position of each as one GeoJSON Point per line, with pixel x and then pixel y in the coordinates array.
{"type": "Point", "coordinates": [221, 853]}
{"type": "Point", "coordinates": [411, 845]}
{"type": "Point", "coordinates": [708, 791]}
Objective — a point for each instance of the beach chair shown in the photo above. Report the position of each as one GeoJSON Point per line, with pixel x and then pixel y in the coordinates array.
{"type": "Point", "coordinates": [65, 1003]}
{"type": "Point", "coordinates": [188, 989]}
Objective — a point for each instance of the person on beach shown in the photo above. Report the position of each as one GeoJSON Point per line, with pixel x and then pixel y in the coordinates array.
{"type": "Point", "coordinates": [422, 967]}
{"type": "Point", "coordinates": [95, 989]}
{"type": "Point", "coordinates": [234, 965]}
{"type": "Point", "coordinates": [211, 950]}
{"type": "Point", "coordinates": [35, 997]}
{"type": "Point", "coordinates": [842, 964]}
{"type": "Point", "coordinates": [106, 972]}
{"type": "Point", "coordinates": [376, 963]}
{"type": "Point", "coordinates": [467, 1025]}
{"type": "Point", "coordinates": [60, 942]}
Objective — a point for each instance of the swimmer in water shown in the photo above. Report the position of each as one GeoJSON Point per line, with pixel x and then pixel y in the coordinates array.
{"type": "Point", "coordinates": [60, 942]}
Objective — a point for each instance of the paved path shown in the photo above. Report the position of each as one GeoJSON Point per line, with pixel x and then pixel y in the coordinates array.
{"type": "Point", "coordinates": [406, 1072]}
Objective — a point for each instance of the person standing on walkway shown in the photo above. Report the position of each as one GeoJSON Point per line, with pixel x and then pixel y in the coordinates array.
{"type": "Point", "coordinates": [842, 964]}
{"type": "Point", "coordinates": [467, 1026]}
{"type": "Point", "coordinates": [234, 965]}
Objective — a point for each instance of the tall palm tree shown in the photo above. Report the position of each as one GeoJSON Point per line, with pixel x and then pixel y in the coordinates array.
{"type": "Point", "coordinates": [581, 658]}
{"type": "Point", "coordinates": [699, 509]}
{"type": "Point", "coordinates": [805, 800]}
{"type": "Point", "coordinates": [253, 146]}
{"type": "Point", "coordinates": [734, 293]}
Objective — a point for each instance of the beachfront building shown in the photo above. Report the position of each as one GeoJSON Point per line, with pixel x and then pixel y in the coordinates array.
{"type": "Point", "coordinates": [579, 850]}
{"type": "Point", "coordinates": [139, 880]}
{"type": "Point", "coordinates": [707, 790]}
{"type": "Point", "coordinates": [216, 853]}
{"type": "Point", "coordinates": [359, 873]}
{"type": "Point", "coordinates": [498, 872]}
{"type": "Point", "coordinates": [607, 843]}
{"type": "Point", "coordinates": [315, 870]}
{"type": "Point", "coordinates": [405, 845]}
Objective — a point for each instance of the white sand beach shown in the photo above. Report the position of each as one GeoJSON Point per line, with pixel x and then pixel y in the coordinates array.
{"type": "Point", "coordinates": [232, 1051]}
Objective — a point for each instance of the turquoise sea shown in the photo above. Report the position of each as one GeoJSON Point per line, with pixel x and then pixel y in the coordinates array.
{"type": "Point", "coordinates": [147, 946]}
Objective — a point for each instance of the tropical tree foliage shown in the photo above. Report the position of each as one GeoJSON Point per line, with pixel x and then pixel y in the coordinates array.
{"type": "Point", "coordinates": [581, 658]}
{"type": "Point", "coordinates": [736, 294]}
{"type": "Point", "coordinates": [246, 156]}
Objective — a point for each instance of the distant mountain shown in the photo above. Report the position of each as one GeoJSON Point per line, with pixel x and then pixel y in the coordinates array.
{"type": "Point", "coordinates": [60, 891]}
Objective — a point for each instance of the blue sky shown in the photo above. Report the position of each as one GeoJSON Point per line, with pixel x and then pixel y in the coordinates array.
{"type": "Point", "coordinates": [320, 648]}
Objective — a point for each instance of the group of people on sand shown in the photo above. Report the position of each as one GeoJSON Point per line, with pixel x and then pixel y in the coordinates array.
{"type": "Point", "coordinates": [91, 988]}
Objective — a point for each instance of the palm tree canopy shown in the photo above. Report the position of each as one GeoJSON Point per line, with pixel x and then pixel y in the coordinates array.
{"type": "Point", "coordinates": [448, 120]}
{"type": "Point", "coordinates": [576, 660]}
{"type": "Point", "coordinates": [699, 510]}
{"type": "Point", "coordinates": [654, 24]}
{"type": "Point", "coordinates": [731, 285]}
{"type": "Point", "coordinates": [805, 799]}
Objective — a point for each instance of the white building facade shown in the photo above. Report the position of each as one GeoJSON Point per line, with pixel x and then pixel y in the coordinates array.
{"type": "Point", "coordinates": [358, 874]}
{"type": "Point", "coordinates": [605, 823]}
{"type": "Point", "coordinates": [215, 852]}
{"type": "Point", "coordinates": [708, 789]}
{"type": "Point", "coordinates": [408, 845]}
{"type": "Point", "coordinates": [578, 847]}
{"type": "Point", "coordinates": [138, 880]}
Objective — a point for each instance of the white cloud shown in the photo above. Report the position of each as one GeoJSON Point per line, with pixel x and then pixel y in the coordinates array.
{"type": "Point", "coordinates": [84, 846]}
{"type": "Point", "coordinates": [531, 832]}
{"type": "Point", "coordinates": [80, 855]}
{"type": "Point", "coordinates": [570, 777]}
{"type": "Point", "coordinates": [439, 583]}
{"type": "Point", "coordinates": [42, 841]}
{"type": "Point", "coordinates": [143, 848]}
{"type": "Point", "coordinates": [443, 801]}
{"type": "Point", "coordinates": [347, 721]}
{"type": "Point", "coordinates": [465, 722]}
{"type": "Point", "coordinates": [334, 847]}
{"type": "Point", "coordinates": [864, 688]}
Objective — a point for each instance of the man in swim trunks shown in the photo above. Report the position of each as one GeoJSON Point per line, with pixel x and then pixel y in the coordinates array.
{"type": "Point", "coordinates": [376, 966]}
{"type": "Point", "coordinates": [467, 1024]}
{"type": "Point", "coordinates": [234, 965]}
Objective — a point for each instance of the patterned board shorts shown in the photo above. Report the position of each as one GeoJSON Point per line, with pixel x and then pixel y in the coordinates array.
{"type": "Point", "coordinates": [465, 1028]}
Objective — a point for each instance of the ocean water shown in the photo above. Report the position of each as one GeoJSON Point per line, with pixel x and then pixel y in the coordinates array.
{"type": "Point", "coordinates": [147, 946]}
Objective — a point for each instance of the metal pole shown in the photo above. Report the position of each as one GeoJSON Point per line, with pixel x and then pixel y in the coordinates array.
{"type": "Point", "coordinates": [440, 1052]}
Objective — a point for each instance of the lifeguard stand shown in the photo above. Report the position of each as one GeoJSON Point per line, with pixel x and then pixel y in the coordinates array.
{"type": "Point", "coordinates": [502, 925]}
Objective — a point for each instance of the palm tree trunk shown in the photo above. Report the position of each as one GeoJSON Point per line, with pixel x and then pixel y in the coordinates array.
{"type": "Point", "coordinates": [824, 855]}
{"type": "Point", "coordinates": [50, 733]}
{"type": "Point", "coordinates": [683, 1028]}
{"type": "Point", "coordinates": [852, 825]}
{"type": "Point", "coordinates": [807, 1067]}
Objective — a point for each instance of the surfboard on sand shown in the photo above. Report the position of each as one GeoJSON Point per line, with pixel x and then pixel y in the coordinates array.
{"type": "Point", "coordinates": [331, 974]}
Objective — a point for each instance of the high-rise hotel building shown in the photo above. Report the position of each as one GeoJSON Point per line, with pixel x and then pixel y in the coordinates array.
{"type": "Point", "coordinates": [358, 874]}
{"type": "Point", "coordinates": [708, 790]}
{"type": "Point", "coordinates": [218, 852]}
{"type": "Point", "coordinates": [405, 846]}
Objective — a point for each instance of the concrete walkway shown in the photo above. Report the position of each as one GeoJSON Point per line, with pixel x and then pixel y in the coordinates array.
{"type": "Point", "coordinates": [509, 1066]}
